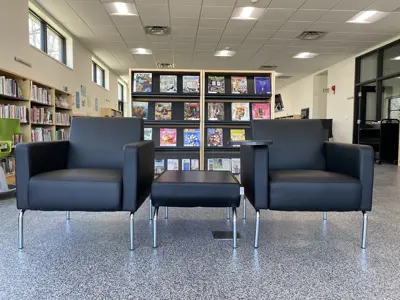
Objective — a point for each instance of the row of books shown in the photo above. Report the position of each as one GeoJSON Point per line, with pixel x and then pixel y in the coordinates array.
{"type": "Point", "coordinates": [143, 83]}
{"type": "Point", "coordinates": [62, 101]}
{"type": "Point", "coordinates": [41, 95]}
{"type": "Point", "coordinates": [41, 135]}
{"type": "Point", "coordinates": [224, 164]}
{"type": "Point", "coordinates": [10, 87]}
{"type": "Point", "coordinates": [16, 139]}
{"type": "Point", "coordinates": [41, 115]}
{"type": "Point", "coordinates": [216, 112]}
{"type": "Point", "coordinates": [174, 165]}
{"type": "Point", "coordinates": [62, 135]}
{"type": "Point", "coordinates": [62, 119]}
{"type": "Point", "coordinates": [8, 165]}
{"type": "Point", "coordinates": [191, 137]}
{"type": "Point", "coordinates": [8, 111]}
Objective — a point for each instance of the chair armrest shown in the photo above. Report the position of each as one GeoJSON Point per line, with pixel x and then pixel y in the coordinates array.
{"type": "Point", "coordinates": [356, 161]}
{"type": "Point", "coordinates": [254, 164]}
{"type": "Point", "coordinates": [35, 158]}
{"type": "Point", "coordinates": [138, 174]}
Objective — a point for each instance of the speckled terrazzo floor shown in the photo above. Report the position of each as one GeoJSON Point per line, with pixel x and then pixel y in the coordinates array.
{"type": "Point", "coordinates": [300, 256]}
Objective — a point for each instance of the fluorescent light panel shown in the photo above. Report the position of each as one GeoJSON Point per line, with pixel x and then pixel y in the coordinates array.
{"type": "Point", "coordinates": [225, 53]}
{"type": "Point", "coordinates": [367, 17]}
{"type": "Point", "coordinates": [277, 74]}
{"type": "Point", "coordinates": [121, 9]}
{"type": "Point", "coordinates": [141, 51]}
{"type": "Point", "coordinates": [247, 13]}
{"type": "Point", "coordinates": [303, 55]}
{"type": "Point", "coordinates": [395, 58]}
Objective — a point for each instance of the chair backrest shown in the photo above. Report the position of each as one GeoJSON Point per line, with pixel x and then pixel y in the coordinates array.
{"type": "Point", "coordinates": [297, 144]}
{"type": "Point", "coordinates": [99, 142]}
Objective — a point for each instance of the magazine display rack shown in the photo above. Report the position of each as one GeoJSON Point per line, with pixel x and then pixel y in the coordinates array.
{"type": "Point", "coordinates": [191, 121]}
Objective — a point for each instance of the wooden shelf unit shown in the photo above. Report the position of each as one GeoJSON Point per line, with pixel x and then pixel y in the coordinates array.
{"type": "Point", "coordinates": [110, 112]}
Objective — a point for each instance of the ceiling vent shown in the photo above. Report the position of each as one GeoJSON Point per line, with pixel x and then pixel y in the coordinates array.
{"type": "Point", "coordinates": [284, 77]}
{"type": "Point", "coordinates": [157, 30]}
{"type": "Point", "coordinates": [165, 66]}
{"type": "Point", "coordinates": [266, 67]}
{"type": "Point", "coordinates": [311, 35]}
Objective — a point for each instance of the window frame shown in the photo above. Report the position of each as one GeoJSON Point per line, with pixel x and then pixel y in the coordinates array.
{"type": "Point", "coordinates": [96, 66]}
{"type": "Point", "coordinates": [43, 38]}
{"type": "Point", "coordinates": [120, 101]}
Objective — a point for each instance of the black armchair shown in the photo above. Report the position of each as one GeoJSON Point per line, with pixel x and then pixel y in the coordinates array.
{"type": "Point", "coordinates": [105, 166]}
{"type": "Point", "coordinates": [298, 171]}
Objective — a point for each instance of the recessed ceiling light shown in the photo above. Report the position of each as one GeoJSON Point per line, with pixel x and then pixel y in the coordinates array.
{"type": "Point", "coordinates": [277, 74]}
{"type": "Point", "coordinates": [395, 58]}
{"type": "Point", "coordinates": [367, 17]}
{"type": "Point", "coordinates": [227, 52]}
{"type": "Point", "coordinates": [121, 9]}
{"type": "Point", "coordinates": [247, 13]}
{"type": "Point", "coordinates": [141, 51]}
{"type": "Point", "coordinates": [303, 55]}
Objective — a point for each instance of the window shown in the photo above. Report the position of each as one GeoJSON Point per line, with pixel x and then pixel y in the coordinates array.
{"type": "Point", "coordinates": [44, 37]}
{"type": "Point", "coordinates": [98, 74]}
{"type": "Point", "coordinates": [369, 67]}
{"type": "Point", "coordinates": [121, 98]}
{"type": "Point", "coordinates": [391, 60]}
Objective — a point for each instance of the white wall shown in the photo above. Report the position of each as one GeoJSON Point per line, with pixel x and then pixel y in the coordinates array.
{"type": "Point", "coordinates": [14, 43]}
{"type": "Point", "coordinates": [320, 98]}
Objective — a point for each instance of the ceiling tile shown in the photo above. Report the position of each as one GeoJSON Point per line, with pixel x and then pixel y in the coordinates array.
{"type": "Point", "coordinates": [216, 11]}
{"type": "Point", "coordinates": [320, 4]}
{"type": "Point", "coordinates": [161, 46]}
{"type": "Point", "coordinates": [126, 20]}
{"type": "Point", "coordinates": [277, 14]}
{"type": "Point", "coordinates": [183, 39]}
{"type": "Point", "coordinates": [207, 39]}
{"type": "Point", "coordinates": [260, 3]}
{"type": "Point", "coordinates": [253, 41]}
{"type": "Point", "coordinates": [159, 39]}
{"type": "Point", "coordinates": [102, 31]}
{"type": "Point", "coordinates": [353, 4]}
{"type": "Point", "coordinates": [231, 41]}
{"type": "Point", "coordinates": [92, 13]}
{"type": "Point", "coordinates": [210, 47]}
{"type": "Point", "coordinates": [183, 47]}
{"type": "Point", "coordinates": [219, 3]}
{"type": "Point", "coordinates": [184, 2]}
{"type": "Point", "coordinates": [156, 21]}
{"type": "Point", "coordinates": [310, 15]}
{"type": "Point", "coordinates": [185, 11]}
{"type": "Point", "coordinates": [286, 3]}
{"type": "Point", "coordinates": [384, 5]}
{"type": "Point", "coordinates": [296, 25]}
{"type": "Point", "coordinates": [211, 32]}
{"type": "Point", "coordinates": [338, 16]}
{"type": "Point", "coordinates": [188, 22]}
{"type": "Point", "coordinates": [61, 10]}
{"type": "Point", "coordinates": [258, 33]}
{"type": "Point", "coordinates": [165, 2]}
{"type": "Point", "coordinates": [131, 34]}
{"type": "Point", "coordinates": [270, 25]}
{"type": "Point", "coordinates": [280, 42]}
{"type": "Point", "coordinates": [285, 34]}
{"type": "Point", "coordinates": [213, 23]}
{"type": "Point", "coordinates": [183, 31]}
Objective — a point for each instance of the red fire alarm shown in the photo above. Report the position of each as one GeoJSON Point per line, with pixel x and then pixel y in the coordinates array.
{"type": "Point", "coordinates": [334, 89]}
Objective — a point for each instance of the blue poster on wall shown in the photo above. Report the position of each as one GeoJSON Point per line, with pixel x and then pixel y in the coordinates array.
{"type": "Point", "coordinates": [77, 100]}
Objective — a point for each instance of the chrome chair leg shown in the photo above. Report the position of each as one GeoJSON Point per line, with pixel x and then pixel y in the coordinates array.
{"type": "Point", "coordinates": [155, 227]}
{"type": "Point", "coordinates": [67, 215]}
{"type": "Point", "coordinates": [150, 210]}
{"type": "Point", "coordinates": [21, 229]}
{"type": "Point", "coordinates": [166, 212]}
{"type": "Point", "coordinates": [324, 215]}
{"type": "Point", "coordinates": [227, 213]}
{"type": "Point", "coordinates": [364, 231]}
{"type": "Point", "coordinates": [131, 231]}
{"type": "Point", "coordinates": [244, 207]}
{"type": "Point", "coordinates": [234, 227]}
{"type": "Point", "coordinates": [257, 228]}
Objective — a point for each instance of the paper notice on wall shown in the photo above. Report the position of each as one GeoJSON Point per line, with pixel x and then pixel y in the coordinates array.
{"type": "Point", "coordinates": [89, 101]}
{"type": "Point", "coordinates": [83, 95]}
{"type": "Point", "coordinates": [96, 104]}
{"type": "Point", "coordinates": [77, 100]}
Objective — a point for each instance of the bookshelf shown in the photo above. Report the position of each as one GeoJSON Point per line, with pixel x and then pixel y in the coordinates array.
{"type": "Point", "coordinates": [289, 117]}
{"type": "Point", "coordinates": [110, 112]}
{"type": "Point", "coordinates": [210, 124]}
{"type": "Point", "coordinates": [44, 111]}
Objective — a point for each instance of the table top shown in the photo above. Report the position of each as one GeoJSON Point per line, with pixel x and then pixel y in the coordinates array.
{"type": "Point", "coordinates": [218, 177]}
{"type": "Point", "coordinates": [252, 143]}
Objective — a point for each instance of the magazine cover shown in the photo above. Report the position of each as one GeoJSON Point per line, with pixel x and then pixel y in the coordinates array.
{"type": "Point", "coordinates": [173, 164]}
{"type": "Point", "coordinates": [140, 109]}
{"type": "Point", "coordinates": [158, 166]}
{"type": "Point", "coordinates": [239, 85]}
{"type": "Point", "coordinates": [191, 137]}
{"type": "Point", "coordinates": [240, 112]}
{"type": "Point", "coordinates": [262, 85]}
{"type": "Point", "coordinates": [191, 84]}
{"type": "Point", "coordinates": [215, 111]}
{"type": "Point", "coordinates": [216, 84]}
{"type": "Point", "coordinates": [194, 164]}
{"type": "Point", "coordinates": [215, 137]}
{"type": "Point", "coordinates": [219, 164]}
{"type": "Point", "coordinates": [148, 134]}
{"type": "Point", "coordinates": [235, 165]}
{"type": "Point", "coordinates": [237, 135]}
{"type": "Point", "coordinates": [168, 83]}
{"type": "Point", "coordinates": [261, 111]}
{"type": "Point", "coordinates": [142, 82]}
{"type": "Point", "coordinates": [163, 111]}
{"type": "Point", "coordinates": [186, 164]}
{"type": "Point", "coordinates": [168, 137]}
{"type": "Point", "coordinates": [192, 111]}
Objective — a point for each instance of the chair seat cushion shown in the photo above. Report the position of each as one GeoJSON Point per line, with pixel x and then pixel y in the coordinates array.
{"type": "Point", "coordinates": [76, 189]}
{"type": "Point", "coordinates": [196, 189]}
{"type": "Point", "coordinates": [313, 190]}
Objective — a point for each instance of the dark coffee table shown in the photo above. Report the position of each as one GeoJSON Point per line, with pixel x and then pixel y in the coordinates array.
{"type": "Point", "coordinates": [195, 189]}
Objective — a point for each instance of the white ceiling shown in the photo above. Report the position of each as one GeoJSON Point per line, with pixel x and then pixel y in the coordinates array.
{"type": "Point", "coordinates": [199, 27]}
